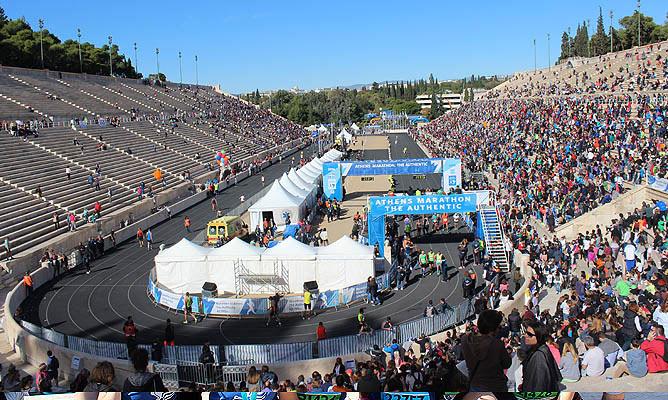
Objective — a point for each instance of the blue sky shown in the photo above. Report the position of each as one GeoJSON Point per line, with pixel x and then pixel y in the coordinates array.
{"type": "Point", "coordinates": [267, 44]}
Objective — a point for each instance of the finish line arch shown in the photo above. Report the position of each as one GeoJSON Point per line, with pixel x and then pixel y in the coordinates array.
{"type": "Point", "coordinates": [333, 172]}
{"type": "Point", "coordinates": [380, 206]}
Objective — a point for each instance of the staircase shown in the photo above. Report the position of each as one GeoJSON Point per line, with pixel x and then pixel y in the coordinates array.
{"type": "Point", "coordinates": [494, 238]}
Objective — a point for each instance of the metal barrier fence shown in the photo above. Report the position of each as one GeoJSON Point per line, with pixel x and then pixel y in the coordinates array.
{"type": "Point", "coordinates": [169, 374]}
{"type": "Point", "coordinates": [269, 353]}
{"type": "Point", "coordinates": [182, 355]}
{"type": "Point", "coordinates": [98, 348]}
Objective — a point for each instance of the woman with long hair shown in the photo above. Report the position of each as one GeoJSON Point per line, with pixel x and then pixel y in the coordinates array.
{"type": "Point", "coordinates": [570, 364]}
{"type": "Point", "coordinates": [253, 379]}
{"type": "Point", "coordinates": [541, 372]}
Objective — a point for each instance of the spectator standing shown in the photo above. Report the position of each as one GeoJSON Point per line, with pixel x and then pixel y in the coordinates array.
{"type": "Point", "coordinates": [485, 355]}
{"type": "Point", "coordinates": [321, 332]}
{"type": "Point", "coordinates": [169, 333]}
{"type": "Point", "coordinates": [149, 239]}
{"type": "Point", "coordinates": [130, 333]}
{"type": "Point", "coordinates": [52, 366]}
{"type": "Point", "coordinates": [27, 283]}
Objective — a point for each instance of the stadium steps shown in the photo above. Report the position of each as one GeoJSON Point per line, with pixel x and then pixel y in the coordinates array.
{"type": "Point", "coordinates": [114, 163]}
{"type": "Point", "coordinates": [56, 106]}
{"type": "Point", "coordinates": [493, 234]}
{"type": "Point", "coordinates": [29, 165]}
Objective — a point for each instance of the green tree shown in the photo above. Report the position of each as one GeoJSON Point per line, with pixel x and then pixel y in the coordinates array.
{"type": "Point", "coordinates": [600, 42]}
{"type": "Point", "coordinates": [565, 43]}
{"type": "Point", "coordinates": [630, 26]}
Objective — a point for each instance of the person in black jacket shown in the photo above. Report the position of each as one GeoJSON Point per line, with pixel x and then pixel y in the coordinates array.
{"type": "Point", "coordinates": [140, 380]}
{"type": "Point", "coordinates": [515, 322]}
{"type": "Point", "coordinates": [540, 370]}
{"type": "Point", "coordinates": [368, 383]}
{"type": "Point", "coordinates": [486, 356]}
{"type": "Point", "coordinates": [169, 333]}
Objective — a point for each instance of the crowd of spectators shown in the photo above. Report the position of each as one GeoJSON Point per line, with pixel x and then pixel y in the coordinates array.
{"type": "Point", "coordinates": [640, 69]}
{"type": "Point", "coordinates": [556, 158]}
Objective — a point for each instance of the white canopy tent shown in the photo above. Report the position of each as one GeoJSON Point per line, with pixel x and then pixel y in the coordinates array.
{"type": "Point", "coordinates": [354, 127]}
{"type": "Point", "coordinates": [220, 262]}
{"type": "Point", "coordinates": [322, 129]}
{"type": "Point", "coordinates": [297, 191]}
{"type": "Point", "coordinates": [182, 267]}
{"type": "Point", "coordinates": [309, 173]}
{"type": "Point", "coordinates": [344, 134]}
{"type": "Point", "coordinates": [299, 181]}
{"type": "Point", "coordinates": [343, 263]}
{"type": "Point", "coordinates": [275, 204]}
{"type": "Point", "coordinates": [297, 257]}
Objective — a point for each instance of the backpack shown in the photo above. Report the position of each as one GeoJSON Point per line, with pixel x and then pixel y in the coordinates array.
{"type": "Point", "coordinates": [665, 350]}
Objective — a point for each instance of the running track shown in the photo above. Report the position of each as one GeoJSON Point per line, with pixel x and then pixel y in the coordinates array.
{"type": "Point", "coordinates": [96, 305]}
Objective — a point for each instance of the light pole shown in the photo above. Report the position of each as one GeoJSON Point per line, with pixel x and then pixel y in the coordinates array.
{"type": "Point", "coordinates": [196, 73]}
{"type": "Point", "coordinates": [611, 31]}
{"type": "Point", "coordinates": [41, 43]}
{"type": "Point", "coordinates": [80, 58]}
{"type": "Point", "coordinates": [111, 68]}
{"type": "Point", "coordinates": [180, 71]}
{"type": "Point", "coordinates": [638, 23]}
{"type": "Point", "coordinates": [157, 61]}
{"type": "Point", "coordinates": [549, 61]}
{"type": "Point", "coordinates": [588, 41]}
{"type": "Point", "coordinates": [136, 63]}
{"type": "Point", "coordinates": [534, 55]}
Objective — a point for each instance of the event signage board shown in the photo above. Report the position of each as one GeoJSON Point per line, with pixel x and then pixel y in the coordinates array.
{"type": "Point", "coordinates": [425, 204]}
{"type": "Point", "coordinates": [332, 186]}
{"type": "Point", "coordinates": [657, 183]}
{"type": "Point", "coordinates": [333, 172]}
{"type": "Point", "coordinates": [392, 167]}
{"type": "Point", "coordinates": [380, 206]}
{"type": "Point", "coordinates": [255, 306]}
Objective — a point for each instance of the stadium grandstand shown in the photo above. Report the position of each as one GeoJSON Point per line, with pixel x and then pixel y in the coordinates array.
{"type": "Point", "coordinates": [570, 160]}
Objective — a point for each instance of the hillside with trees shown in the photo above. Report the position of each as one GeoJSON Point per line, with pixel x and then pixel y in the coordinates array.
{"type": "Point", "coordinates": [348, 105]}
{"type": "Point", "coordinates": [20, 47]}
{"type": "Point", "coordinates": [624, 38]}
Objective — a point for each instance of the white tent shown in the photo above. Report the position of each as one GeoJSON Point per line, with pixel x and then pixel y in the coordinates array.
{"type": "Point", "coordinates": [220, 262]}
{"type": "Point", "coordinates": [275, 204]}
{"type": "Point", "coordinates": [322, 129]}
{"type": "Point", "coordinates": [297, 257]}
{"type": "Point", "coordinates": [354, 127]}
{"type": "Point", "coordinates": [299, 181]}
{"type": "Point", "coordinates": [296, 190]}
{"type": "Point", "coordinates": [343, 263]}
{"type": "Point", "coordinates": [182, 267]}
{"type": "Point", "coordinates": [309, 173]}
{"type": "Point", "coordinates": [345, 135]}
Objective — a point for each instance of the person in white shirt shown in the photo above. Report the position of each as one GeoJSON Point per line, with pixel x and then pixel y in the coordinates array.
{"type": "Point", "coordinates": [630, 256]}
{"type": "Point", "coordinates": [593, 361]}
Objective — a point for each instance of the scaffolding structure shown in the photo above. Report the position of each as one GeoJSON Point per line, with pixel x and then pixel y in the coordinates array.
{"type": "Point", "coordinates": [249, 282]}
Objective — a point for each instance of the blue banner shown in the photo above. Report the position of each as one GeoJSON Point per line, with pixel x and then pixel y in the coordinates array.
{"type": "Point", "coordinates": [406, 396]}
{"type": "Point", "coordinates": [427, 204]}
{"type": "Point", "coordinates": [380, 206]}
{"type": "Point", "coordinates": [418, 166]}
{"type": "Point", "coordinates": [331, 180]}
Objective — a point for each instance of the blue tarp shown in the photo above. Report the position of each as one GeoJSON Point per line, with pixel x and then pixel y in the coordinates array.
{"type": "Point", "coordinates": [290, 230]}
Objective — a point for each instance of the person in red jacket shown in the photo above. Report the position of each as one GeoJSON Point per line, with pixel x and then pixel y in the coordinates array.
{"type": "Point", "coordinates": [654, 346]}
